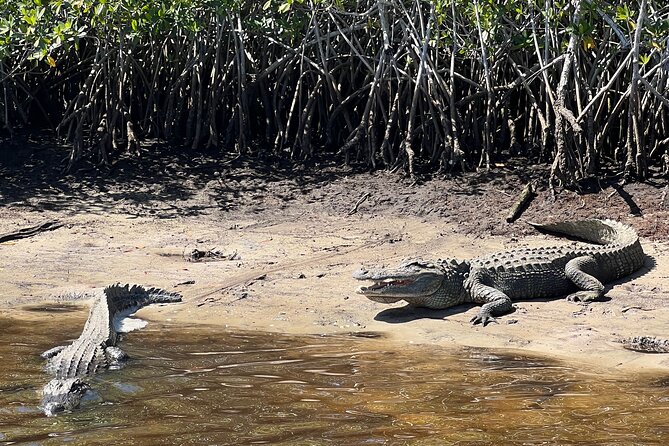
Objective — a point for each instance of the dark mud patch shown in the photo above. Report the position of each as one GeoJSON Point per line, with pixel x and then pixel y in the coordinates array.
{"type": "Point", "coordinates": [368, 334]}
{"type": "Point", "coordinates": [53, 308]}
{"type": "Point", "coordinates": [166, 183]}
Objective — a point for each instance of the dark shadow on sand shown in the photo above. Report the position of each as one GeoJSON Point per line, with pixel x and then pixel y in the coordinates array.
{"type": "Point", "coordinates": [409, 313]}
{"type": "Point", "coordinates": [165, 181]}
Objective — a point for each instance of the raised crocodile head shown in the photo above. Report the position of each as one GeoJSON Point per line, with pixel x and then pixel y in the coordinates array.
{"type": "Point", "coordinates": [62, 394]}
{"type": "Point", "coordinates": [415, 280]}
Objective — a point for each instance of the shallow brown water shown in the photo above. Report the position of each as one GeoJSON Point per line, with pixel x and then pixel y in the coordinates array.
{"type": "Point", "coordinates": [199, 385]}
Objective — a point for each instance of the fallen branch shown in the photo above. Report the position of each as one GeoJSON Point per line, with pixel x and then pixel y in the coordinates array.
{"type": "Point", "coordinates": [362, 199]}
{"type": "Point", "coordinates": [197, 255]}
{"type": "Point", "coordinates": [634, 307]}
{"type": "Point", "coordinates": [522, 203]}
{"type": "Point", "coordinates": [29, 232]}
{"type": "Point", "coordinates": [185, 282]}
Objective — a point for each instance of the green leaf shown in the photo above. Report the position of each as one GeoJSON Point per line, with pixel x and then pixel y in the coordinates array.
{"type": "Point", "coordinates": [30, 18]}
{"type": "Point", "coordinates": [37, 55]}
{"type": "Point", "coordinates": [284, 7]}
{"type": "Point", "coordinates": [623, 13]}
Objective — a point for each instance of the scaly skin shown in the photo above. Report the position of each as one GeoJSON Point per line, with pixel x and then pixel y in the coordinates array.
{"type": "Point", "coordinates": [498, 279]}
{"type": "Point", "coordinates": [646, 344]}
{"type": "Point", "coordinates": [95, 348]}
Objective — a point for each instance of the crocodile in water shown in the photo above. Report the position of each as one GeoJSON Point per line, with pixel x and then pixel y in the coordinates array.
{"type": "Point", "coordinates": [498, 279]}
{"type": "Point", "coordinates": [95, 349]}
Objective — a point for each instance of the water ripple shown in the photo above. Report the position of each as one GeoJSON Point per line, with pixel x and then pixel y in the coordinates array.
{"type": "Point", "coordinates": [257, 388]}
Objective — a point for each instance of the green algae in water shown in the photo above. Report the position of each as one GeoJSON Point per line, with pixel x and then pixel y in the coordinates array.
{"type": "Point", "coordinates": [197, 385]}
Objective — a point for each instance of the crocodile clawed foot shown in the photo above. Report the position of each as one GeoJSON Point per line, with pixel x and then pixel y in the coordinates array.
{"type": "Point", "coordinates": [584, 296]}
{"type": "Point", "coordinates": [482, 318]}
{"type": "Point", "coordinates": [116, 357]}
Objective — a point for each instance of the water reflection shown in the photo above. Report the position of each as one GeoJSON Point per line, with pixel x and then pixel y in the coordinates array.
{"type": "Point", "coordinates": [210, 386]}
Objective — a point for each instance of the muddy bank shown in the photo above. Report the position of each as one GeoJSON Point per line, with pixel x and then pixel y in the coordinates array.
{"type": "Point", "coordinates": [286, 247]}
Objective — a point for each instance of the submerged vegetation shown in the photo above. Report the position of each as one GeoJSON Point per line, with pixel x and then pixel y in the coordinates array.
{"type": "Point", "coordinates": [391, 83]}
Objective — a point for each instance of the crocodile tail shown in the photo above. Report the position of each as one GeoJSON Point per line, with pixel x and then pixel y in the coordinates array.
{"type": "Point", "coordinates": [602, 232]}
{"type": "Point", "coordinates": [138, 295]}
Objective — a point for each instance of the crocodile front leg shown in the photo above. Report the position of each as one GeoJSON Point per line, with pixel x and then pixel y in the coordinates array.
{"type": "Point", "coordinates": [578, 271]}
{"type": "Point", "coordinates": [495, 302]}
{"type": "Point", "coordinates": [116, 357]}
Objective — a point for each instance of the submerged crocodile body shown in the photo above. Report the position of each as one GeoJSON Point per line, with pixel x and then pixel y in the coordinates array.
{"type": "Point", "coordinates": [498, 279]}
{"type": "Point", "coordinates": [95, 349]}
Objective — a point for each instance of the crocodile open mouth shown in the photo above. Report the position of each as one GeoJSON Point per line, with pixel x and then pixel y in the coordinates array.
{"type": "Point", "coordinates": [385, 284]}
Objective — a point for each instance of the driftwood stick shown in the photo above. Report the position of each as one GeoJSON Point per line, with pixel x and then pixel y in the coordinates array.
{"type": "Point", "coordinates": [522, 203]}
{"type": "Point", "coordinates": [29, 232]}
{"type": "Point", "coordinates": [362, 199]}
{"type": "Point", "coordinates": [634, 307]}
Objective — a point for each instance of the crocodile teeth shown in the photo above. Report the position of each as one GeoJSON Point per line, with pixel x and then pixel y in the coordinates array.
{"type": "Point", "coordinates": [384, 284]}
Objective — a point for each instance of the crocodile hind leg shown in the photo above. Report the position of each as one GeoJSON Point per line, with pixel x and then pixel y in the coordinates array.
{"type": "Point", "coordinates": [579, 271]}
{"type": "Point", "coordinates": [495, 302]}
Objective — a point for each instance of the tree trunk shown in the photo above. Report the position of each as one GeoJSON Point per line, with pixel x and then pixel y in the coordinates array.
{"type": "Point", "coordinates": [562, 170]}
{"type": "Point", "coordinates": [635, 164]}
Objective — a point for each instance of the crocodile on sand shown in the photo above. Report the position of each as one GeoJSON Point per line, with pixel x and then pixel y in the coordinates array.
{"type": "Point", "coordinates": [496, 280]}
{"type": "Point", "coordinates": [95, 349]}
{"type": "Point", "coordinates": [646, 344]}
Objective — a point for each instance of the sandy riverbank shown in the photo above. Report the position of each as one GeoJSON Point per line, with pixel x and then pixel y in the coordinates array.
{"type": "Point", "coordinates": [292, 273]}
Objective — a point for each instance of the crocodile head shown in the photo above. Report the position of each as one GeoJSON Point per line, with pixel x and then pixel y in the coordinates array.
{"type": "Point", "coordinates": [412, 278]}
{"type": "Point", "coordinates": [62, 394]}
{"type": "Point", "coordinates": [422, 284]}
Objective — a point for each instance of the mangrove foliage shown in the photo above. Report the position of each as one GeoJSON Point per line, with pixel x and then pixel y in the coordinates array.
{"type": "Point", "coordinates": [445, 84]}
